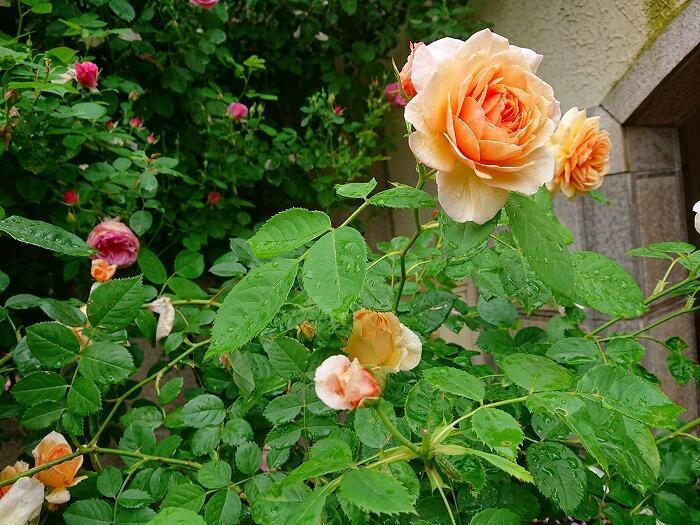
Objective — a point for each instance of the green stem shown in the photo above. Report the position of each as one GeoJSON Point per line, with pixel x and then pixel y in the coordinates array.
{"type": "Point", "coordinates": [354, 214]}
{"type": "Point", "coordinates": [670, 316]}
{"type": "Point", "coordinates": [690, 424]}
{"type": "Point", "coordinates": [442, 434]}
{"type": "Point", "coordinates": [148, 457]}
{"type": "Point", "coordinates": [4, 359]}
{"type": "Point", "coordinates": [139, 385]}
{"type": "Point", "coordinates": [395, 431]}
{"type": "Point", "coordinates": [207, 302]}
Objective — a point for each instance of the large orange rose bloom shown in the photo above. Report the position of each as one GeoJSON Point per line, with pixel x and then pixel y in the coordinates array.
{"type": "Point", "coordinates": [59, 477]}
{"type": "Point", "coordinates": [581, 152]}
{"type": "Point", "coordinates": [482, 119]}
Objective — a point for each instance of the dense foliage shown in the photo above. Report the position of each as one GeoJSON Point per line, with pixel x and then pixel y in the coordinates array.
{"type": "Point", "coordinates": [301, 377]}
{"type": "Point", "coordinates": [154, 144]}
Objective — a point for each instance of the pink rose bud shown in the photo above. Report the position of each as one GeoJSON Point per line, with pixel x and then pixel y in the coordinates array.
{"type": "Point", "coordinates": [109, 125]}
{"type": "Point", "coordinates": [392, 95]}
{"type": "Point", "coordinates": [213, 198]}
{"type": "Point", "coordinates": [405, 74]}
{"type": "Point", "coordinates": [70, 197]}
{"type": "Point", "coordinates": [237, 111]}
{"type": "Point", "coordinates": [115, 242]}
{"type": "Point", "coordinates": [345, 385]}
{"type": "Point", "coordinates": [338, 110]}
{"type": "Point", "coordinates": [205, 4]}
{"type": "Point", "coordinates": [135, 122]}
{"type": "Point", "coordinates": [151, 138]}
{"type": "Point", "coordinates": [86, 74]}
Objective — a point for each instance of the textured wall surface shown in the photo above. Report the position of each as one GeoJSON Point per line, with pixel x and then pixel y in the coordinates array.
{"type": "Point", "coordinates": [587, 44]}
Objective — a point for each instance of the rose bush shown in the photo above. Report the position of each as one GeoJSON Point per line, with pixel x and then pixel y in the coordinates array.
{"type": "Point", "coordinates": [313, 384]}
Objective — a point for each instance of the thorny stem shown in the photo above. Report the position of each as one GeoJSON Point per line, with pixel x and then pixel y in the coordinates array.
{"type": "Point", "coordinates": [140, 384]}
{"type": "Point", "coordinates": [354, 214]}
{"type": "Point", "coordinates": [207, 302]}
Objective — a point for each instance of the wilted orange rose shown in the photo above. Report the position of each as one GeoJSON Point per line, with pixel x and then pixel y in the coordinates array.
{"type": "Point", "coordinates": [581, 152]}
{"type": "Point", "coordinates": [59, 477]}
{"type": "Point", "coordinates": [379, 339]}
{"type": "Point", "coordinates": [11, 471]}
{"type": "Point", "coordinates": [482, 119]}
{"type": "Point", "coordinates": [102, 271]}
{"type": "Point", "coordinates": [307, 329]}
{"type": "Point", "coordinates": [345, 385]}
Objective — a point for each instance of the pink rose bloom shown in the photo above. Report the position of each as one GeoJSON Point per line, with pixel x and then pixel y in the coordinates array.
{"type": "Point", "coordinates": [338, 110]}
{"type": "Point", "coordinates": [135, 122]}
{"type": "Point", "coordinates": [392, 95]}
{"type": "Point", "coordinates": [237, 111]}
{"type": "Point", "coordinates": [86, 74]}
{"type": "Point", "coordinates": [205, 4]}
{"type": "Point", "coordinates": [345, 385]}
{"type": "Point", "coordinates": [115, 242]}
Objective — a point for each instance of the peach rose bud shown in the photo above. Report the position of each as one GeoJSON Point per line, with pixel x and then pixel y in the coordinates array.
{"type": "Point", "coordinates": [379, 339]}
{"type": "Point", "coordinates": [115, 242]}
{"type": "Point", "coordinates": [405, 75]}
{"type": "Point", "coordinates": [307, 329]}
{"type": "Point", "coordinates": [482, 119]}
{"type": "Point", "coordinates": [11, 471]}
{"type": "Point", "coordinates": [345, 385]}
{"type": "Point", "coordinates": [59, 477]}
{"type": "Point", "coordinates": [22, 503]}
{"type": "Point", "coordinates": [581, 153]}
{"type": "Point", "coordinates": [102, 271]}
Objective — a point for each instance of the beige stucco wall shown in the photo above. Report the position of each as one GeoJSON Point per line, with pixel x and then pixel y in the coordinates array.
{"type": "Point", "coordinates": [587, 44]}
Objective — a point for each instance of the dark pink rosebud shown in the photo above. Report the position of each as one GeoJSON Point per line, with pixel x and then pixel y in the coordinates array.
{"type": "Point", "coordinates": [205, 4]}
{"type": "Point", "coordinates": [392, 95]}
{"type": "Point", "coordinates": [338, 110]}
{"type": "Point", "coordinates": [86, 74]}
{"type": "Point", "coordinates": [70, 197]}
{"type": "Point", "coordinates": [109, 125]}
{"type": "Point", "coordinates": [115, 242]}
{"type": "Point", "coordinates": [135, 122]}
{"type": "Point", "coordinates": [151, 138]}
{"type": "Point", "coordinates": [237, 111]}
{"type": "Point", "coordinates": [213, 198]}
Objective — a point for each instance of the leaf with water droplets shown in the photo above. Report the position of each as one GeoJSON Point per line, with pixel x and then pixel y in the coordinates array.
{"type": "Point", "coordinates": [287, 231]}
{"type": "Point", "coordinates": [558, 473]}
{"type": "Point", "coordinates": [603, 284]}
{"type": "Point", "coordinates": [45, 235]}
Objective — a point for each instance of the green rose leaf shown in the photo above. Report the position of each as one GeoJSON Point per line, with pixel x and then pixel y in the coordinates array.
{"type": "Point", "coordinates": [251, 305]}
{"type": "Point", "coordinates": [558, 474]}
{"type": "Point", "coordinates": [603, 284]}
{"type": "Point", "coordinates": [376, 492]}
{"type": "Point", "coordinates": [89, 512]}
{"type": "Point", "coordinates": [334, 270]}
{"type": "Point", "coordinates": [356, 190]}
{"type": "Point", "coordinates": [536, 373]}
{"type": "Point", "coordinates": [115, 304]}
{"type": "Point", "coordinates": [455, 381]}
{"type": "Point", "coordinates": [53, 344]}
{"type": "Point", "coordinates": [203, 411]}
{"type": "Point", "coordinates": [224, 508]}
{"type": "Point", "coordinates": [84, 397]}
{"type": "Point", "coordinates": [287, 231]}
{"type": "Point", "coordinates": [45, 235]}
{"type": "Point", "coordinates": [541, 243]}
{"type": "Point", "coordinates": [106, 363]}
{"type": "Point", "coordinates": [38, 387]}
{"type": "Point", "coordinates": [403, 198]}
{"type": "Point", "coordinates": [499, 430]}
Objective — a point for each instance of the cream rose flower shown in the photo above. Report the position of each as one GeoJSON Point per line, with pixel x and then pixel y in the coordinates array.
{"type": "Point", "coordinates": [482, 119]}
{"type": "Point", "coordinates": [59, 477]}
{"type": "Point", "coordinates": [581, 152]}
{"type": "Point", "coordinates": [22, 503]}
{"type": "Point", "coordinates": [345, 385]}
{"type": "Point", "coordinates": [11, 471]}
{"type": "Point", "coordinates": [696, 209]}
{"type": "Point", "coordinates": [379, 339]}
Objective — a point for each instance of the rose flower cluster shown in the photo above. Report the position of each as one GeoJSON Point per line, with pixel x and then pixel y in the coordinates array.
{"type": "Point", "coordinates": [486, 123]}
{"type": "Point", "coordinates": [379, 344]}
{"type": "Point", "coordinates": [21, 501]}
